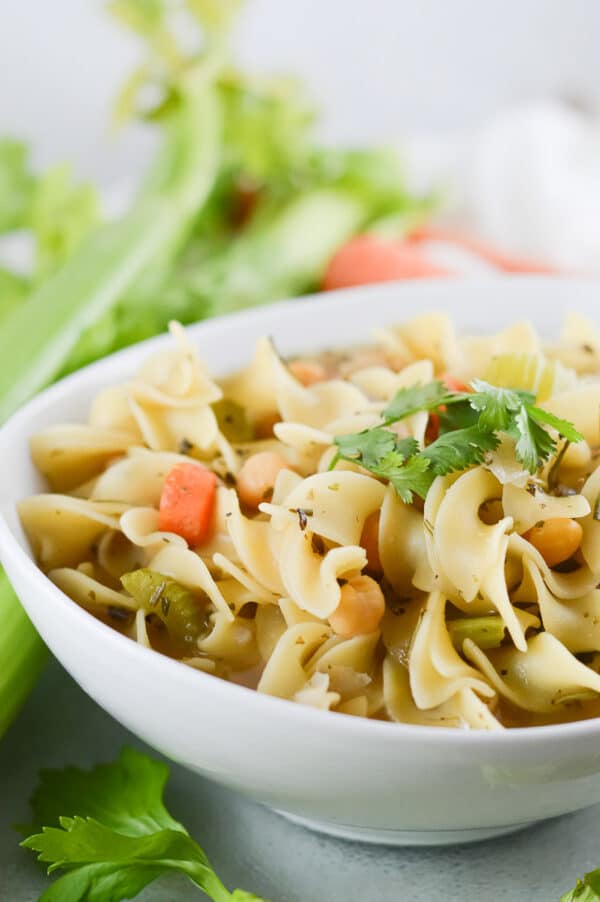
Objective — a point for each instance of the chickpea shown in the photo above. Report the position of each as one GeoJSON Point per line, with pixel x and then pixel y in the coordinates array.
{"type": "Point", "coordinates": [491, 511]}
{"type": "Point", "coordinates": [369, 540]}
{"type": "Point", "coordinates": [308, 372]}
{"type": "Point", "coordinates": [257, 476]}
{"type": "Point", "coordinates": [361, 608]}
{"type": "Point", "coordinates": [556, 539]}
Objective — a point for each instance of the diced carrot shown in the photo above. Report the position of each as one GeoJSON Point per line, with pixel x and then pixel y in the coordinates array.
{"type": "Point", "coordinates": [495, 257]}
{"type": "Point", "coordinates": [367, 259]}
{"type": "Point", "coordinates": [433, 428]}
{"type": "Point", "coordinates": [187, 502]}
{"type": "Point", "coordinates": [454, 384]}
{"type": "Point", "coordinates": [433, 423]}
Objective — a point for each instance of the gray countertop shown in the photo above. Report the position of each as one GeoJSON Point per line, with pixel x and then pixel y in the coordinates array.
{"type": "Point", "coordinates": [255, 849]}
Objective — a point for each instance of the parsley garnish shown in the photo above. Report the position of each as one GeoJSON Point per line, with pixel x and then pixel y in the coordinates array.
{"type": "Point", "coordinates": [118, 836]}
{"type": "Point", "coordinates": [470, 425]}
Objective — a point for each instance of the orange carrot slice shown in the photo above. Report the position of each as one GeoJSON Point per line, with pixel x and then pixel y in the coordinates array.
{"type": "Point", "coordinates": [367, 259]}
{"type": "Point", "coordinates": [187, 502]}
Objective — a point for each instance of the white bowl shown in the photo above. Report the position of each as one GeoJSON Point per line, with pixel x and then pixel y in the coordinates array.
{"type": "Point", "coordinates": [370, 780]}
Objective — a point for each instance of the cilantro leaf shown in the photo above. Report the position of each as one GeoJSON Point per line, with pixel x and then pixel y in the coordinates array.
{"type": "Point", "coordinates": [469, 425]}
{"type": "Point", "coordinates": [459, 449]}
{"type": "Point", "coordinates": [366, 447]}
{"type": "Point", "coordinates": [413, 478]}
{"type": "Point", "coordinates": [586, 890]}
{"type": "Point", "coordinates": [563, 427]}
{"type": "Point", "coordinates": [370, 446]}
{"type": "Point", "coordinates": [457, 416]}
{"type": "Point", "coordinates": [496, 405]}
{"type": "Point", "coordinates": [408, 401]}
{"type": "Point", "coordinates": [534, 445]}
{"type": "Point", "coordinates": [118, 836]}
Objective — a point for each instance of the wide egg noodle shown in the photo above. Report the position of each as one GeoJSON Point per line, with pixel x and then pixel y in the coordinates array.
{"type": "Point", "coordinates": [140, 629]}
{"type": "Point", "coordinates": [311, 579]}
{"type": "Point", "coordinates": [89, 592]}
{"type": "Point", "coordinates": [477, 351]}
{"type": "Point", "coordinates": [527, 506]}
{"type": "Point", "coordinates": [232, 641]}
{"type": "Point", "coordinates": [540, 679]}
{"type": "Point", "coordinates": [138, 478]}
{"type": "Point", "coordinates": [471, 569]}
{"type": "Point", "coordinates": [110, 409]}
{"type": "Point", "coordinates": [356, 707]}
{"type": "Point", "coordinates": [179, 373]}
{"type": "Point", "coordinates": [574, 622]}
{"type": "Point", "coordinates": [579, 344]}
{"type": "Point", "coordinates": [316, 694]}
{"type": "Point", "coordinates": [590, 543]}
{"type": "Point", "coordinates": [580, 407]}
{"type": "Point", "coordinates": [257, 592]}
{"type": "Point", "coordinates": [255, 387]}
{"type": "Point", "coordinates": [73, 454]}
{"type": "Point", "coordinates": [357, 654]}
{"type": "Point", "coordinates": [323, 403]}
{"type": "Point", "coordinates": [255, 543]}
{"type": "Point", "coordinates": [383, 384]}
{"type": "Point", "coordinates": [270, 626]}
{"type": "Point", "coordinates": [430, 336]}
{"type": "Point", "coordinates": [464, 709]}
{"type": "Point", "coordinates": [166, 426]}
{"type": "Point", "coordinates": [116, 555]}
{"type": "Point", "coordinates": [62, 530]}
{"type": "Point", "coordinates": [411, 568]}
{"type": "Point", "coordinates": [572, 584]}
{"type": "Point", "coordinates": [436, 670]}
{"type": "Point", "coordinates": [335, 504]}
{"type": "Point", "coordinates": [170, 399]}
{"type": "Point", "coordinates": [140, 526]}
{"type": "Point", "coordinates": [285, 672]}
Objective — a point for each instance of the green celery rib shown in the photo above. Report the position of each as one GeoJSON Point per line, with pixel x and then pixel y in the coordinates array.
{"type": "Point", "coordinates": [284, 255]}
{"type": "Point", "coordinates": [41, 331]}
{"type": "Point", "coordinates": [486, 631]}
{"type": "Point", "coordinates": [22, 654]}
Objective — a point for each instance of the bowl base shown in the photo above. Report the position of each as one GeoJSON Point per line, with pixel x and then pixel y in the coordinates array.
{"type": "Point", "coordinates": [391, 837]}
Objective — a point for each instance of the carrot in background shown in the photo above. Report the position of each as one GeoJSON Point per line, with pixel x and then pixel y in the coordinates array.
{"type": "Point", "coordinates": [367, 258]}
{"type": "Point", "coordinates": [505, 262]}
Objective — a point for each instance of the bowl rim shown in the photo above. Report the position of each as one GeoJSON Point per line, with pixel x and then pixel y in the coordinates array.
{"type": "Point", "coordinates": [262, 704]}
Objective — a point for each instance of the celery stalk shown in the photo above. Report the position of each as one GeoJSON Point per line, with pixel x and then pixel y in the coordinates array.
{"type": "Point", "coordinates": [22, 654]}
{"type": "Point", "coordinates": [486, 632]}
{"type": "Point", "coordinates": [113, 256]}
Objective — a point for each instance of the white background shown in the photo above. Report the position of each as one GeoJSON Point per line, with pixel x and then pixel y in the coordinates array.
{"type": "Point", "coordinates": [377, 68]}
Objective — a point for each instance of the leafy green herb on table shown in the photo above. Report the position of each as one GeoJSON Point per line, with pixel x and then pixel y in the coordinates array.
{"type": "Point", "coordinates": [586, 890]}
{"type": "Point", "coordinates": [470, 426]}
{"type": "Point", "coordinates": [109, 830]}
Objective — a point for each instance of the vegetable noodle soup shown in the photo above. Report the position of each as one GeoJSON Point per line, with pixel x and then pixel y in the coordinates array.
{"type": "Point", "coordinates": [408, 531]}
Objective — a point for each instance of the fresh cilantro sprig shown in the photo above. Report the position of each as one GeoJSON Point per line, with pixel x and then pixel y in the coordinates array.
{"type": "Point", "coordinates": [109, 830]}
{"type": "Point", "coordinates": [586, 890]}
{"type": "Point", "coordinates": [408, 401]}
{"type": "Point", "coordinates": [470, 424]}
